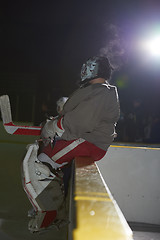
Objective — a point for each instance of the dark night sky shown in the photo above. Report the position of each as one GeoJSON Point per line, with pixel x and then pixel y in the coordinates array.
{"type": "Point", "coordinates": [43, 35]}
{"type": "Point", "coordinates": [53, 38]}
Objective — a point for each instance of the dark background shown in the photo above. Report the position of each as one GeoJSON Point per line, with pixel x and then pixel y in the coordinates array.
{"type": "Point", "coordinates": [43, 45]}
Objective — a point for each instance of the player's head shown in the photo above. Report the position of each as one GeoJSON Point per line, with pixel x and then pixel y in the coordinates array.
{"type": "Point", "coordinates": [95, 67]}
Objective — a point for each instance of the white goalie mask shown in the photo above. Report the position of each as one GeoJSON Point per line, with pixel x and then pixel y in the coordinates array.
{"type": "Point", "coordinates": [95, 67]}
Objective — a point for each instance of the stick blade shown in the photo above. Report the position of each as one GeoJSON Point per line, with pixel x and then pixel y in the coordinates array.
{"type": "Point", "coordinates": [5, 108]}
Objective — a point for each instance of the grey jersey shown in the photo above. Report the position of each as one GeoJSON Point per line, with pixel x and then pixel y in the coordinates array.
{"type": "Point", "coordinates": [91, 113]}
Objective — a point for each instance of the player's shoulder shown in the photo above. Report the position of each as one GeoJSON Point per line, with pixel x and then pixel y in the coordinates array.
{"type": "Point", "coordinates": [109, 87]}
{"type": "Point", "coordinates": [101, 87]}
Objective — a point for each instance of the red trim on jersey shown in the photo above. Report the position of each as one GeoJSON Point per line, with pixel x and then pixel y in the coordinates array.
{"type": "Point", "coordinates": [59, 123]}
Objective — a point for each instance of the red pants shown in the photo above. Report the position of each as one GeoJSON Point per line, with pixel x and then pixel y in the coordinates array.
{"type": "Point", "coordinates": [72, 149]}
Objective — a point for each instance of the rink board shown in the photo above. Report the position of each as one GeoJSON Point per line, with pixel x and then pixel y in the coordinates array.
{"type": "Point", "coordinates": [97, 213]}
{"type": "Point", "coordinates": [131, 172]}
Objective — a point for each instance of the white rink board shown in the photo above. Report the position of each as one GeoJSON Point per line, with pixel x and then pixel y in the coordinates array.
{"type": "Point", "coordinates": [133, 177]}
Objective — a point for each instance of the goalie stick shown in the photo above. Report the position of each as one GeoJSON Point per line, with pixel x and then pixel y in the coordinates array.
{"type": "Point", "coordinates": [9, 126]}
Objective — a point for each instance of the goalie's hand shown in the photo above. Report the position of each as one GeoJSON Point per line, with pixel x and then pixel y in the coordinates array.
{"type": "Point", "coordinates": [52, 128]}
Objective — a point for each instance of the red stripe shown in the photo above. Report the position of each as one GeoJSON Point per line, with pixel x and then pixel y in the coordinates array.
{"type": "Point", "coordinates": [25, 130]}
{"type": "Point", "coordinates": [59, 123]}
{"type": "Point", "coordinates": [9, 124]}
{"type": "Point", "coordinates": [28, 182]}
{"type": "Point", "coordinates": [22, 131]}
{"type": "Point", "coordinates": [29, 196]}
{"type": "Point", "coordinates": [49, 218]}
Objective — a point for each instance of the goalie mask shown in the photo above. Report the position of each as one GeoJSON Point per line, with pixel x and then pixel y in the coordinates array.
{"type": "Point", "coordinates": [95, 67]}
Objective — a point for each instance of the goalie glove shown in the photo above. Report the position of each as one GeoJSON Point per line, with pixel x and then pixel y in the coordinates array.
{"type": "Point", "coordinates": [52, 128]}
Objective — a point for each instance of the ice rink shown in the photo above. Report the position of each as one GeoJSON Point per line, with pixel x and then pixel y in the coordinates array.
{"type": "Point", "coordinates": [146, 236]}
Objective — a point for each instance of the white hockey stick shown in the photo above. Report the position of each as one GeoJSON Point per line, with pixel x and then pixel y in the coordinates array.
{"type": "Point", "coordinates": [9, 126]}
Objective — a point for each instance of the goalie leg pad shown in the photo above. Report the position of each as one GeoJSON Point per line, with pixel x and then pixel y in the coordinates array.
{"type": "Point", "coordinates": [52, 197]}
{"type": "Point", "coordinates": [44, 190]}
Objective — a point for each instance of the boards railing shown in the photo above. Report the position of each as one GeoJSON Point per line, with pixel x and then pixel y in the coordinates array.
{"type": "Point", "coordinates": [93, 212]}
